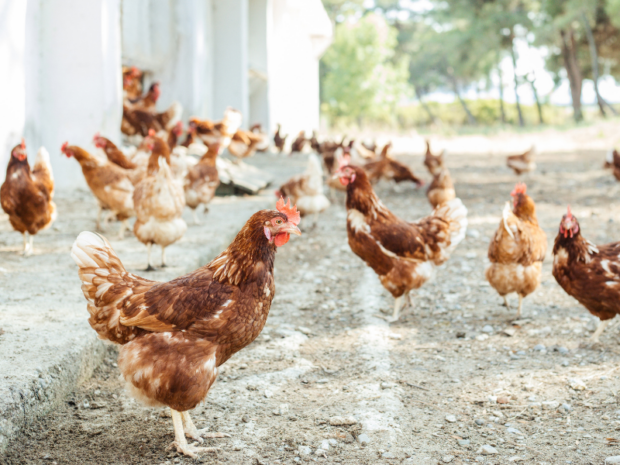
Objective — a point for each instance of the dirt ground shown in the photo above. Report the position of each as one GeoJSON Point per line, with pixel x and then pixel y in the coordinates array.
{"type": "Point", "coordinates": [445, 384]}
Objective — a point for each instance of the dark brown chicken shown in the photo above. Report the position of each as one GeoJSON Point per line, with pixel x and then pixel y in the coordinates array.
{"type": "Point", "coordinates": [441, 189]}
{"type": "Point", "coordinates": [279, 140]}
{"type": "Point", "coordinates": [434, 163]}
{"type": "Point", "coordinates": [114, 154]}
{"type": "Point", "coordinates": [390, 169]}
{"type": "Point", "coordinates": [587, 272]}
{"type": "Point", "coordinates": [299, 143]}
{"type": "Point", "coordinates": [523, 163]}
{"type": "Point", "coordinates": [26, 196]}
{"type": "Point", "coordinates": [404, 255]}
{"type": "Point", "coordinates": [175, 335]}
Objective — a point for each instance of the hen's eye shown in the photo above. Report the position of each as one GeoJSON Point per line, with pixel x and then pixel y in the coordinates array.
{"type": "Point", "coordinates": [278, 221]}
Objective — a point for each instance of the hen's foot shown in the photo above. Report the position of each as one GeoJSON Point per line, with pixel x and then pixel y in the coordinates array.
{"type": "Point", "coordinates": [149, 268]}
{"type": "Point", "coordinates": [191, 450]}
{"type": "Point", "coordinates": [199, 434]}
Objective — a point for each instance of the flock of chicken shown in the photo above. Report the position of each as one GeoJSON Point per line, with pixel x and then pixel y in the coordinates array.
{"type": "Point", "coordinates": [174, 335]}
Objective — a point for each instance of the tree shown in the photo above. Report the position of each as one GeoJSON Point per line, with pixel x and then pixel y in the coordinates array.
{"type": "Point", "coordinates": [363, 79]}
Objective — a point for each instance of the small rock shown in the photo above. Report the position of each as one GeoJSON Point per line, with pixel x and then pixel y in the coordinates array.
{"type": "Point", "coordinates": [502, 400]}
{"type": "Point", "coordinates": [563, 350]}
{"type": "Point", "coordinates": [576, 384]}
{"type": "Point", "coordinates": [268, 394]}
{"type": "Point", "coordinates": [304, 450]}
{"type": "Point", "coordinates": [539, 347]}
{"type": "Point", "coordinates": [613, 459]}
{"type": "Point", "coordinates": [514, 431]}
{"type": "Point", "coordinates": [386, 385]}
{"type": "Point", "coordinates": [479, 421]}
{"type": "Point", "coordinates": [550, 405]}
{"type": "Point", "coordinates": [363, 439]}
{"type": "Point", "coordinates": [492, 399]}
{"type": "Point", "coordinates": [474, 234]}
{"type": "Point", "coordinates": [245, 418]}
{"type": "Point", "coordinates": [565, 363]}
{"type": "Point", "coordinates": [395, 336]}
{"type": "Point", "coordinates": [332, 442]}
{"type": "Point", "coordinates": [487, 329]}
{"type": "Point", "coordinates": [566, 408]}
{"type": "Point", "coordinates": [304, 330]}
{"type": "Point", "coordinates": [342, 421]}
{"type": "Point", "coordinates": [487, 450]}
{"type": "Point", "coordinates": [479, 459]}
{"type": "Point", "coordinates": [464, 442]}
{"type": "Point", "coordinates": [450, 418]}
{"type": "Point", "coordinates": [460, 334]}
{"type": "Point", "coordinates": [516, 458]}
{"type": "Point", "coordinates": [251, 387]}
{"type": "Point", "coordinates": [348, 438]}
{"type": "Point", "coordinates": [510, 332]}
{"type": "Point", "coordinates": [605, 417]}
{"type": "Point", "coordinates": [388, 455]}
{"type": "Point", "coordinates": [447, 458]}
{"type": "Point", "coordinates": [320, 452]}
{"type": "Point", "coordinates": [520, 352]}
{"type": "Point", "coordinates": [482, 337]}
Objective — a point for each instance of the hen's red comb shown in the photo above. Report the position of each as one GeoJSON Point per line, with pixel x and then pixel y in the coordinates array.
{"type": "Point", "coordinates": [23, 144]}
{"type": "Point", "coordinates": [96, 136]}
{"type": "Point", "coordinates": [569, 214]}
{"type": "Point", "coordinates": [291, 213]}
{"type": "Point", "coordinates": [152, 132]}
{"type": "Point", "coordinates": [520, 188]}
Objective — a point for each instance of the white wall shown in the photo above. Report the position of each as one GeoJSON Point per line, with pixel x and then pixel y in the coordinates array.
{"type": "Point", "coordinates": [259, 37]}
{"type": "Point", "coordinates": [73, 78]}
{"type": "Point", "coordinates": [172, 41]}
{"type": "Point", "coordinates": [301, 33]}
{"type": "Point", "coordinates": [12, 89]}
{"type": "Point", "coordinates": [230, 74]}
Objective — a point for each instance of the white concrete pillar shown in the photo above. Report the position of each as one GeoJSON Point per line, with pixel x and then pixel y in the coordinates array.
{"type": "Point", "coordinates": [230, 73]}
{"type": "Point", "coordinates": [73, 78]}
{"type": "Point", "coordinates": [259, 36]}
{"type": "Point", "coordinates": [12, 89]}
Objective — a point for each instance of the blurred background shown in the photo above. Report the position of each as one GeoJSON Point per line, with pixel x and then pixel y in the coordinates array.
{"type": "Point", "coordinates": [369, 68]}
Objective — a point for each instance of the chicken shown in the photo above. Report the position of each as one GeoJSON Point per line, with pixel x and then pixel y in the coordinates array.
{"type": "Point", "coordinates": [314, 142]}
{"type": "Point", "coordinates": [139, 121]}
{"type": "Point", "coordinates": [390, 169]}
{"type": "Point", "coordinates": [173, 135]}
{"type": "Point", "coordinates": [299, 143]}
{"type": "Point", "coordinates": [441, 189]}
{"type": "Point", "coordinates": [26, 196]}
{"type": "Point", "coordinates": [159, 202]}
{"type": "Point", "coordinates": [434, 163]}
{"type": "Point", "coordinates": [244, 144]}
{"type": "Point", "coordinates": [613, 161]}
{"type": "Point", "coordinates": [587, 272]}
{"type": "Point", "coordinates": [404, 255]}
{"type": "Point", "coordinates": [220, 133]}
{"type": "Point", "coordinates": [175, 335]}
{"type": "Point", "coordinates": [257, 129]}
{"type": "Point", "coordinates": [114, 154]}
{"type": "Point", "coordinates": [306, 190]}
{"type": "Point", "coordinates": [523, 163]}
{"type": "Point", "coordinates": [517, 250]}
{"type": "Point", "coordinates": [279, 140]}
{"type": "Point", "coordinates": [148, 101]}
{"type": "Point", "coordinates": [361, 152]}
{"type": "Point", "coordinates": [132, 82]}
{"type": "Point", "coordinates": [109, 183]}
{"type": "Point", "coordinates": [202, 181]}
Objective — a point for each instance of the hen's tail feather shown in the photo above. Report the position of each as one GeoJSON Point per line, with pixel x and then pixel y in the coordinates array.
{"type": "Point", "coordinates": [456, 214]}
{"type": "Point", "coordinates": [105, 284]}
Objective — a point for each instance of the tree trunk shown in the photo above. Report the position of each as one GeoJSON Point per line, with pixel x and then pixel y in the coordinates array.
{"type": "Point", "coordinates": [537, 99]}
{"type": "Point", "coordinates": [514, 67]}
{"type": "Point", "coordinates": [595, 71]}
{"type": "Point", "coordinates": [569, 55]}
{"type": "Point", "coordinates": [470, 118]}
{"type": "Point", "coordinates": [501, 94]}
{"type": "Point", "coordinates": [431, 117]}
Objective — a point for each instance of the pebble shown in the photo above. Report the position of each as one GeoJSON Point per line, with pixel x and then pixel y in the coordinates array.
{"type": "Point", "coordinates": [514, 431]}
{"type": "Point", "coordinates": [245, 418]}
{"type": "Point", "coordinates": [565, 363]}
{"type": "Point", "coordinates": [492, 399]}
{"type": "Point", "coordinates": [388, 455]}
{"type": "Point", "coordinates": [447, 458]}
{"type": "Point", "coordinates": [342, 421]}
{"type": "Point", "coordinates": [566, 407]}
{"type": "Point", "coordinates": [479, 421]}
{"type": "Point", "coordinates": [539, 347]}
{"type": "Point", "coordinates": [363, 439]}
{"type": "Point", "coordinates": [550, 405]}
{"type": "Point", "coordinates": [520, 352]}
{"type": "Point", "coordinates": [479, 459]}
{"type": "Point", "coordinates": [325, 444]}
{"type": "Point", "coordinates": [332, 442]}
{"type": "Point", "coordinates": [482, 337]}
{"type": "Point", "coordinates": [304, 450]}
{"type": "Point", "coordinates": [282, 410]}
{"type": "Point", "coordinates": [464, 442]}
{"type": "Point", "coordinates": [474, 234]}
{"type": "Point", "coordinates": [386, 385]}
{"type": "Point", "coordinates": [613, 459]}
{"type": "Point", "coordinates": [450, 418]}
{"type": "Point", "coordinates": [576, 384]}
{"type": "Point", "coordinates": [268, 394]}
{"type": "Point", "coordinates": [563, 350]}
{"type": "Point", "coordinates": [304, 330]}
{"type": "Point", "coordinates": [487, 450]}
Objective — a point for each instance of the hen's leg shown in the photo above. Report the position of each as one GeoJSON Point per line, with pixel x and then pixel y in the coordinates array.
{"type": "Point", "coordinates": [99, 218]}
{"type": "Point", "coordinates": [506, 302]}
{"type": "Point", "coordinates": [520, 305]}
{"type": "Point", "coordinates": [163, 257]}
{"type": "Point", "coordinates": [601, 327]}
{"type": "Point", "coordinates": [179, 438]}
{"type": "Point", "coordinates": [121, 233]}
{"type": "Point", "coordinates": [31, 245]}
{"type": "Point", "coordinates": [27, 249]}
{"type": "Point", "coordinates": [194, 214]}
{"type": "Point", "coordinates": [398, 304]}
{"type": "Point", "coordinates": [197, 434]}
{"type": "Point", "coordinates": [149, 267]}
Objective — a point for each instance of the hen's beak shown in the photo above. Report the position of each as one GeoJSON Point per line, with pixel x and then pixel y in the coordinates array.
{"type": "Point", "coordinates": [291, 229]}
{"type": "Point", "coordinates": [337, 175]}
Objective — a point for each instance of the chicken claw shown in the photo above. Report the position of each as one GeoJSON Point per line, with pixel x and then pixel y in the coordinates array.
{"type": "Point", "coordinates": [191, 450]}
{"type": "Point", "coordinates": [192, 432]}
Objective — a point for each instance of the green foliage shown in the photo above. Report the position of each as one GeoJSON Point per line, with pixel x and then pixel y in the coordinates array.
{"type": "Point", "coordinates": [362, 79]}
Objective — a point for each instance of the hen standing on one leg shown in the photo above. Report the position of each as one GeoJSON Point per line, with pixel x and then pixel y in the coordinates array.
{"type": "Point", "coordinates": [587, 272]}
{"type": "Point", "coordinates": [26, 196]}
{"type": "Point", "coordinates": [518, 249]}
{"type": "Point", "coordinates": [202, 181]}
{"type": "Point", "coordinates": [404, 255]}
{"type": "Point", "coordinates": [175, 335]}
